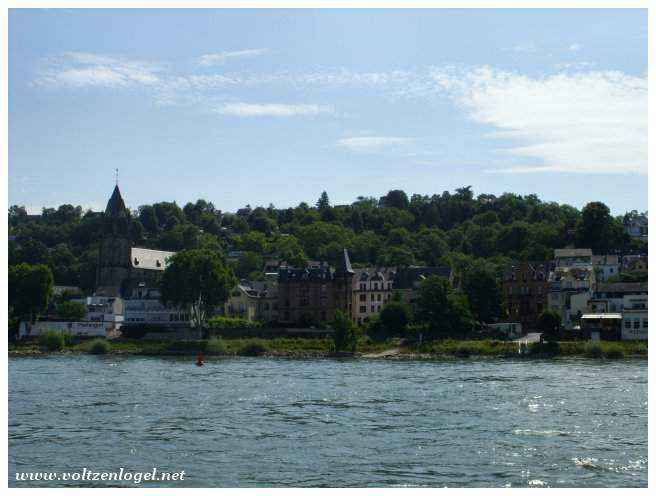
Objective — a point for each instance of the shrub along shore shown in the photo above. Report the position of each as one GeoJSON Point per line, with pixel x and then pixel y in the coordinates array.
{"type": "Point", "coordinates": [323, 348]}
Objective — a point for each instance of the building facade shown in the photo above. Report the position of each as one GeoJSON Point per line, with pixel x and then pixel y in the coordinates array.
{"type": "Point", "coordinates": [372, 289]}
{"type": "Point", "coordinates": [526, 290]}
{"type": "Point", "coordinates": [313, 294]}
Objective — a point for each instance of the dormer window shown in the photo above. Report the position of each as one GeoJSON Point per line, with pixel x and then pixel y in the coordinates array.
{"type": "Point", "coordinates": [136, 261]}
{"type": "Point", "coordinates": [157, 262]}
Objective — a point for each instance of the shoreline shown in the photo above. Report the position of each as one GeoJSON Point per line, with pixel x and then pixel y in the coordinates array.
{"type": "Point", "coordinates": [313, 349]}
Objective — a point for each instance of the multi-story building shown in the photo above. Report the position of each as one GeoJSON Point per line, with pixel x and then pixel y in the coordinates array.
{"type": "Point", "coordinates": [372, 288]}
{"type": "Point", "coordinates": [609, 297]}
{"type": "Point", "coordinates": [634, 317]}
{"type": "Point", "coordinates": [637, 226]}
{"type": "Point", "coordinates": [573, 257]}
{"type": "Point", "coordinates": [312, 294]}
{"type": "Point", "coordinates": [526, 290]}
{"type": "Point", "coordinates": [606, 266]}
{"type": "Point", "coordinates": [145, 307]}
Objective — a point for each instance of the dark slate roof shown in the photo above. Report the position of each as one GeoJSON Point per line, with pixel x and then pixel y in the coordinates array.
{"type": "Point", "coordinates": [322, 273]}
{"type": "Point", "coordinates": [406, 276]}
{"type": "Point", "coordinates": [115, 205]}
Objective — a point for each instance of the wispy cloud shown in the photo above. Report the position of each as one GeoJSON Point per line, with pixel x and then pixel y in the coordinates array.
{"type": "Point", "coordinates": [79, 69]}
{"type": "Point", "coordinates": [374, 144]}
{"type": "Point", "coordinates": [212, 59]}
{"type": "Point", "coordinates": [581, 122]}
{"type": "Point", "coordinates": [575, 47]}
{"type": "Point", "coordinates": [242, 109]}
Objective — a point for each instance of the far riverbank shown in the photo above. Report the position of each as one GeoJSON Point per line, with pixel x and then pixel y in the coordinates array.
{"type": "Point", "coordinates": [305, 348]}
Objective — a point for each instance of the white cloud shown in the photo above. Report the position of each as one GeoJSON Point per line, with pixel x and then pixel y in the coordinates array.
{"type": "Point", "coordinates": [581, 122]}
{"type": "Point", "coordinates": [575, 47]}
{"type": "Point", "coordinates": [79, 69]}
{"type": "Point", "coordinates": [374, 144]}
{"type": "Point", "coordinates": [242, 109]}
{"type": "Point", "coordinates": [212, 59]}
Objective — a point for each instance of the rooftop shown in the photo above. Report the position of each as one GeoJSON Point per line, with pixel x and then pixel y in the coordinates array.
{"type": "Point", "coordinates": [144, 258]}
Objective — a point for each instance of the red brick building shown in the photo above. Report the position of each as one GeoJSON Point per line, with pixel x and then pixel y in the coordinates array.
{"type": "Point", "coordinates": [525, 290]}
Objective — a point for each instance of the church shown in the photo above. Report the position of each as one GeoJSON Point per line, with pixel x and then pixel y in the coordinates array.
{"type": "Point", "coordinates": [124, 270]}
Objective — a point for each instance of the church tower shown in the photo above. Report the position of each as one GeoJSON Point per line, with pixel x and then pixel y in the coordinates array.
{"type": "Point", "coordinates": [115, 248]}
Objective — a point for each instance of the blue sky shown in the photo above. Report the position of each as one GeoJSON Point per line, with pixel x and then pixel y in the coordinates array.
{"type": "Point", "coordinates": [274, 106]}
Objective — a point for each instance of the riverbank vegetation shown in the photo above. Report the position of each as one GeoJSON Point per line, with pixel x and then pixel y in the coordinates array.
{"type": "Point", "coordinates": [324, 347]}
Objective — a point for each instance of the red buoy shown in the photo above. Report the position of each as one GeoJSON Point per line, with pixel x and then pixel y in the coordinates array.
{"type": "Point", "coordinates": [199, 360]}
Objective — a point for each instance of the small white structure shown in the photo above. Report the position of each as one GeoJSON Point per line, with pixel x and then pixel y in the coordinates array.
{"type": "Point", "coordinates": [145, 308]}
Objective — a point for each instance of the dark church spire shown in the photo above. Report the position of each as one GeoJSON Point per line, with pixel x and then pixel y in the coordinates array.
{"type": "Point", "coordinates": [115, 205]}
{"type": "Point", "coordinates": [344, 268]}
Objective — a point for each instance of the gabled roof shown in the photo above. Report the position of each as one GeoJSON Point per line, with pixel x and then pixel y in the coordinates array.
{"type": "Point", "coordinates": [143, 258]}
{"type": "Point", "coordinates": [572, 252]}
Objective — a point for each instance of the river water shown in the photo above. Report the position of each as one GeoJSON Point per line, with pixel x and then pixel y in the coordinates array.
{"type": "Point", "coordinates": [275, 422]}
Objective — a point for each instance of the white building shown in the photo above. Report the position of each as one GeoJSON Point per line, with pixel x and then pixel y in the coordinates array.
{"type": "Point", "coordinates": [634, 317]}
{"type": "Point", "coordinates": [145, 308]}
{"type": "Point", "coordinates": [606, 266]}
{"type": "Point", "coordinates": [78, 329]}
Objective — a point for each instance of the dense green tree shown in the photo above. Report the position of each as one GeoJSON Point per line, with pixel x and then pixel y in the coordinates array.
{"type": "Point", "coordinates": [445, 313]}
{"type": "Point", "coordinates": [323, 203]}
{"type": "Point", "coordinates": [482, 288]}
{"type": "Point", "coordinates": [345, 336]}
{"type": "Point", "coordinates": [394, 319]}
{"type": "Point", "coordinates": [395, 199]}
{"type": "Point", "coordinates": [30, 290]}
{"type": "Point", "coordinates": [198, 280]}
{"type": "Point", "coordinates": [595, 229]}
{"type": "Point", "coordinates": [72, 311]}
{"type": "Point", "coordinates": [549, 325]}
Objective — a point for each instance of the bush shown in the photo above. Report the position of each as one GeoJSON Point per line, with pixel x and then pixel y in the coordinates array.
{"type": "Point", "coordinates": [71, 311]}
{"type": "Point", "coordinates": [217, 346]}
{"type": "Point", "coordinates": [593, 350]}
{"type": "Point", "coordinates": [54, 340]}
{"type": "Point", "coordinates": [99, 347]}
{"type": "Point", "coordinates": [463, 351]}
{"type": "Point", "coordinates": [254, 347]}
{"type": "Point", "coordinates": [549, 349]}
{"type": "Point", "coordinates": [232, 323]}
{"type": "Point", "coordinates": [614, 351]}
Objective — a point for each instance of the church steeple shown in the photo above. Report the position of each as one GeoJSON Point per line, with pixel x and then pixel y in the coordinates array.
{"type": "Point", "coordinates": [115, 205]}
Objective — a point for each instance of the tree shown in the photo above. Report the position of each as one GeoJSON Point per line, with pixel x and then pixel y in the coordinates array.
{"type": "Point", "coordinates": [595, 229]}
{"type": "Point", "coordinates": [30, 290]}
{"type": "Point", "coordinates": [323, 203]}
{"type": "Point", "coordinates": [445, 313]}
{"type": "Point", "coordinates": [72, 311]}
{"type": "Point", "coordinates": [484, 294]}
{"type": "Point", "coordinates": [395, 199]}
{"type": "Point", "coordinates": [549, 325]}
{"type": "Point", "coordinates": [198, 280]}
{"type": "Point", "coordinates": [394, 318]}
{"type": "Point", "coordinates": [345, 336]}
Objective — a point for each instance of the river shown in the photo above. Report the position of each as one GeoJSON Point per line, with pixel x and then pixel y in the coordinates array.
{"type": "Point", "coordinates": [314, 423]}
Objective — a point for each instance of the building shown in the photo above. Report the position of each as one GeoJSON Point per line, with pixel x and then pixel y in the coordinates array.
{"type": "Point", "coordinates": [570, 289]}
{"type": "Point", "coordinates": [526, 290]}
{"type": "Point", "coordinates": [123, 268]}
{"type": "Point", "coordinates": [372, 288]}
{"type": "Point", "coordinates": [634, 317]}
{"type": "Point", "coordinates": [637, 225]}
{"type": "Point", "coordinates": [312, 294]}
{"type": "Point", "coordinates": [605, 266]}
{"type": "Point", "coordinates": [634, 262]}
{"type": "Point", "coordinates": [242, 303]}
{"type": "Point", "coordinates": [610, 297]}
{"type": "Point", "coordinates": [145, 307]}
{"type": "Point", "coordinates": [602, 326]}
{"type": "Point", "coordinates": [573, 257]}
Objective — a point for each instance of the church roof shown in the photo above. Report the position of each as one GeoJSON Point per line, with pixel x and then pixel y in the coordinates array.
{"type": "Point", "coordinates": [344, 266]}
{"type": "Point", "coordinates": [115, 205]}
{"type": "Point", "coordinates": [143, 258]}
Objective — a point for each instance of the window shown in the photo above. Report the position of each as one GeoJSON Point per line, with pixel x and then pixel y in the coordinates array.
{"type": "Point", "coordinates": [363, 308]}
{"type": "Point", "coordinates": [627, 323]}
{"type": "Point", "coordinates": [636, 324]}
{"type": "Point", "coordinates": [644, 324]}
{"type": "Point", "coordinates": [373, 309]}
{"type": "Point", "coordinates": [379, 297]}
{"type": "Point", "coordinates": [372, 296]}
{"type": "Point", "coordinates": [363, 297]}
{"type": "Point", "coordinates": [363, 286]}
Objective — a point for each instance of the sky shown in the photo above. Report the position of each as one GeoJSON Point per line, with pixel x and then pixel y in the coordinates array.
{"type": "Point", "coordinates": [275, 106]}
